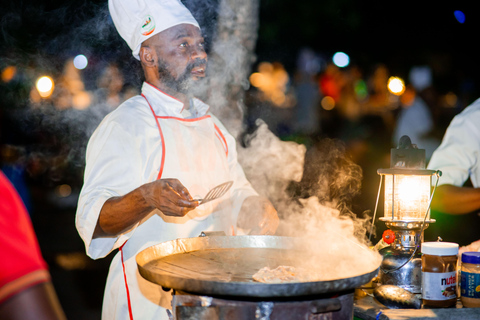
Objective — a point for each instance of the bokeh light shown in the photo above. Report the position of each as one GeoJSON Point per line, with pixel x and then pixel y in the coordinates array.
{"type": "Point", "coordinates": [460, 16]}
{"type": "Point", "coordinates": [258, 80]}
{"type": "Point", "coordinates": [341, 59]}
{"type": "Point", "coordinates": [361, 89]}
{"type": "Point", "coordinates": [451, 100]}
{"type": "Point", "coordinates": [45, 86]}
{"type": "Point", "coordinates": [63, 190]}
{"type": "Point", "coordinates": [81, 100]}
{"type": "Point", "coordinates": [80, 62]}
{"type": "Point", "coordinates": [272, 79]}
{"type": "Point", "coordinates": [8, 73]}
{"type": "Point", "coordinates": [396, 85]}
{"type": "Point", "coordinates": [328, 103]}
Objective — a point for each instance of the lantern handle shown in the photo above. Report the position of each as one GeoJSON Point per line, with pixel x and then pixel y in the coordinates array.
{"type": "Point", "coordinates": [376, 206]}
{"type": "Point", "coordinates": [438, 173]}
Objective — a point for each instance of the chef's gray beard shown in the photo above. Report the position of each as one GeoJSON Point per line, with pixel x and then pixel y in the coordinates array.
{"type": "Point", "coordinates": [184, 82]}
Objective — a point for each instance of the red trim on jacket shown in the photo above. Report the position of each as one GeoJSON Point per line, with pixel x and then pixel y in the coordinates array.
{"type": "Point", "coordinates": [160, 172]}
{"type": "Point", "coordinates": [151, 85]}
{"type": "Point", "coordinates": [222, 138]}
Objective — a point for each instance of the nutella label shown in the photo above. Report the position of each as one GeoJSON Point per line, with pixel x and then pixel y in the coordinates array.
{"type": "Point", "coordinates": [439, 286]}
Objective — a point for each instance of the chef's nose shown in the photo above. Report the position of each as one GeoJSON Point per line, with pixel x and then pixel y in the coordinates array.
{"type": "Point", "coordinates": [198, 52]}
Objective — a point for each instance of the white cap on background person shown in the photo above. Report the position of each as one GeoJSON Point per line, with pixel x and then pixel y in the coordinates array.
{"type": "Point", "coordinates": [138, 20]}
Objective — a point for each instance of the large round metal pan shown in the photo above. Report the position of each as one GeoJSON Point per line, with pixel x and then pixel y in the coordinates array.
{"type": "Point", "coordinates": [224, 265]}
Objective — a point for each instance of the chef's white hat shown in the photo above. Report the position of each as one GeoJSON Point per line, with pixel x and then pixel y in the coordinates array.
{"type": "Point", "coordinates": [138, 20]}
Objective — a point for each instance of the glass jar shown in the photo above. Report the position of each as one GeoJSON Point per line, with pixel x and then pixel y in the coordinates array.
{"type": "Point", "coordinates": [439, 274]}
{"type": "Point", "coordinates": [470, 285]}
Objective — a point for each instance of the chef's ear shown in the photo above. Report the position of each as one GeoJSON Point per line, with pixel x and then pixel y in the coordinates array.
{"type": "Point", "coordinates": [147, 56]}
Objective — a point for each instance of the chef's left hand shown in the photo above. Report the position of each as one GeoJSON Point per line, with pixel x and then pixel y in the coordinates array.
{"type": "Point", "coordinates": [258, 215]}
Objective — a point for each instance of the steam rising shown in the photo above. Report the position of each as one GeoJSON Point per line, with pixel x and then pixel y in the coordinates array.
{"type": "Point", "coordinates": [319, 212]}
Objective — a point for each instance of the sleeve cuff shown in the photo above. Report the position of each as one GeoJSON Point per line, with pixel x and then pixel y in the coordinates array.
{"type": "Point", "coordinates": [87, 217]}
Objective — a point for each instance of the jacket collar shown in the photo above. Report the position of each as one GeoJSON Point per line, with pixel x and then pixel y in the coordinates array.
{"type": "Point", "coordinates": [164, 104]}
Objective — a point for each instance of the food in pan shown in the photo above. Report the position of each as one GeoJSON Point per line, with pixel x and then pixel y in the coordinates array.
{"type": "Point", "coordinates": [278, 275]}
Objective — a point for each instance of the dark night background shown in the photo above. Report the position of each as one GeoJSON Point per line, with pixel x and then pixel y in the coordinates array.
{"type": "Point", "coordinates": [37, 37]}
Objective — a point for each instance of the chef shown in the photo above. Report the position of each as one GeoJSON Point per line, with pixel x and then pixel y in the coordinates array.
{"type": "Point", "coordinates": [458, 157]}
{"type": "Point", "coordinates": [151, 158]}
{"type": "Point", "coordinates": [456, 203]}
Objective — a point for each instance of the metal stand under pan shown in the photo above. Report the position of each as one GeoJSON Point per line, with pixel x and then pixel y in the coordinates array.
{"type": "Point", "coordinates": [338, 306]}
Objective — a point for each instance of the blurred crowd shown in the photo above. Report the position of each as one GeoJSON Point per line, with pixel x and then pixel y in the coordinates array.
{"type": "Point", "coordinates": [319, 98]}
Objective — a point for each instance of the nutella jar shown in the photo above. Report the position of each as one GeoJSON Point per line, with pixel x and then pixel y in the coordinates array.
{"type": "Point", "coordinates": [470, 283]}
{"type": "Point", "coordinates": [439, 274]}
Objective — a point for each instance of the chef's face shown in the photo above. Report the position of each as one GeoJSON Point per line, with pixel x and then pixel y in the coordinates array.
{"type": "Point", "coordinates": [182, 59]}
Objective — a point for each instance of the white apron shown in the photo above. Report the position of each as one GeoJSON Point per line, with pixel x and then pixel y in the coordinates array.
{"type": "Point", "coordinates": [194, 152]}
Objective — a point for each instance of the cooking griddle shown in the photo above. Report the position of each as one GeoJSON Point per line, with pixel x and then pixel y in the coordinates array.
{"type": "Point", "coordinates": [224, 265]}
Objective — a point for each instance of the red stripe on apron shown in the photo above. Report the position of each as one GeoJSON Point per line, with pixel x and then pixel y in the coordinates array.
{"type": "Point", "coordinates": [220, 135]}
{"type": "Point", "coordinates": [222, 138]}
{"type": "Point", "coordinates": [126, 285]}
{"type": "Point", "coordinates": [160, 172]}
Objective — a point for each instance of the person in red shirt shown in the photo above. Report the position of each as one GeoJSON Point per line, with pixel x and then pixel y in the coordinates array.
{"type": "Point", "coordinates": [26, 290]}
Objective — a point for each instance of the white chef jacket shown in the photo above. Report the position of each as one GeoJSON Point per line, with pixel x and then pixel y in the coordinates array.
{"type": "Point", "coordinates": [149, 137]}
{"type": "Point", "coordinates": [458, 156]}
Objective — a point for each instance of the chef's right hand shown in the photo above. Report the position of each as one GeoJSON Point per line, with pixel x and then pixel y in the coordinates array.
{"type": "Point", "coordinates": [170, 197]}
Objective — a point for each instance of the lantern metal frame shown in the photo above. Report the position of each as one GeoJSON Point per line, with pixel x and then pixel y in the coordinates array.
{"type": "Point", "coordinates": [406, 246]}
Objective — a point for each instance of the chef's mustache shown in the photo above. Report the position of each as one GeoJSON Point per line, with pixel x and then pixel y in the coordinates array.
{"type": "Point", "coordinates": [194, 64]}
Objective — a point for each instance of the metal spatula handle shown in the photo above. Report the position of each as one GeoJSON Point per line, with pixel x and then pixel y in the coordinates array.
{"type": "Point", "coordinates": [216, 192]}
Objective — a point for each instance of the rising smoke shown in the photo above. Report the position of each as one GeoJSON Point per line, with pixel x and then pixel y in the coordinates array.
{"type": "Point", "coordinates": [312, 192]}
{"type": "Point", "coordinates": [304, 185]}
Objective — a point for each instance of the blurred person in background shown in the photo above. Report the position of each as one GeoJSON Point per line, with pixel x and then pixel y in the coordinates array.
{"type": "Point", "coordinates": [415, 119]}
{"type": "Point", "coordinates": [307, 93]}
{"type": "Point", "coordinates": [154, 155]}
{"type": "Point", "coordinates": [26, 290]}
{"type": "Point", "coordinates": [456, 201]}
{"type": "Point", "coordinates": [379, 100]}
{"type": "Point", "coordinates": [110, 86]}
{"type": "Point", "coordinates": [70, 91]}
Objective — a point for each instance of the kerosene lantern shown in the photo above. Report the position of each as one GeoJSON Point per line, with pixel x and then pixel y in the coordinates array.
{"type": "Point", "coordinates": [408, 194]}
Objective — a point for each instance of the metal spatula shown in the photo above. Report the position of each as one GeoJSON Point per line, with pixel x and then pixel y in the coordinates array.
{"type": "Point", "coordinates": [216, 192]}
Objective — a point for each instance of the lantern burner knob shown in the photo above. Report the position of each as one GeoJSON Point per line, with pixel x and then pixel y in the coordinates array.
{"type": "Point", "coordinates": [388, 236]}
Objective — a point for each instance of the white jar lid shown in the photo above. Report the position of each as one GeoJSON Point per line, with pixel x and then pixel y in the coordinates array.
{"type": "Point", "coordinates": [440, 248]}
